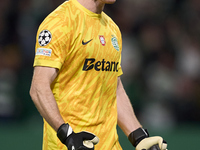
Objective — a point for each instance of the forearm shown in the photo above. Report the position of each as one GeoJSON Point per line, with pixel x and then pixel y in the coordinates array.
{"type": "Point", "coordinates": [45, 103]}
{"type": "Point", "coordinates": [43, 97]}
{"type": "Point", "coordinates": [130, 125]}
{"type": "Point", "coordinates": [127, 120]}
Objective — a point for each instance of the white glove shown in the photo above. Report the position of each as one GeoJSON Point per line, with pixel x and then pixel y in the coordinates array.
{"type": "Point", "coordinates": [147, 143]}
{"type": "Point", "coordinates": [141, 140]}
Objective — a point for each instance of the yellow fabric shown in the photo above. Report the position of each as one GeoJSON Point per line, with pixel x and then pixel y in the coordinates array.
{"type": "Point", "coordinates": [85, 88]}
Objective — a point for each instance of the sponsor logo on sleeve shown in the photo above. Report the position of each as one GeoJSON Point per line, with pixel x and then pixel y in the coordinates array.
{"type": "Point", "coordinates": [43, 52]}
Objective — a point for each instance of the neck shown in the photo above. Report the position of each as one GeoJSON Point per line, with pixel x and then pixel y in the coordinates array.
{"type": "Point", "coordinates": [93, 5]}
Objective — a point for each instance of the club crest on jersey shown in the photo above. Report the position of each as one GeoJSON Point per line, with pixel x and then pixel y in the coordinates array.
{"type": "Point", "coordinates": [102, 40]}
{"type": "Point", "coordinates": [44, 37]}
{"type": "Point", "coordinates": [115, 43]}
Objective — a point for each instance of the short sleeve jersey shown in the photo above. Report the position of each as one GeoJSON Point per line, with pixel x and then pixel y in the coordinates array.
{"type": "Point", "coordinates": [86, 49]}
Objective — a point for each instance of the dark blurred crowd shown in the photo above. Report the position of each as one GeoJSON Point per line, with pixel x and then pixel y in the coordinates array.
{"type": "Point", "coordinates": [160, 58]}
{"type": "Point", "coordinates": [19, 20]}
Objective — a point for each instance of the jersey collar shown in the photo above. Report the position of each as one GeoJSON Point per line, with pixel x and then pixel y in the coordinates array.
{"type": "Point", "coordinates": [88, 12]}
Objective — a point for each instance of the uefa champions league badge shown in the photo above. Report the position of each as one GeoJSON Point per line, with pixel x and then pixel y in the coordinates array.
{"type": "Point", "coordinates": [44, 37]}
{"type": "Point", "coordinates": [115, 42]}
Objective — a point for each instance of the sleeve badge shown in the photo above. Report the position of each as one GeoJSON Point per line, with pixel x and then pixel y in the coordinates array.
{"type": "Point", "coordinates": [44, 37]}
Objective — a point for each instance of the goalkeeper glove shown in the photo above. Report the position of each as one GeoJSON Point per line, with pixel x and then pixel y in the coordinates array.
{"type": "Point", "coordinates": [76, 141]}
{"type": "Point", "coordinates": [141, 140]}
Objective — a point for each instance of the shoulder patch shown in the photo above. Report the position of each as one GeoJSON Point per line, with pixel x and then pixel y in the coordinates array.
{"type": "Point", "coordinates": [44, 37]}
{"type": "Point", "coordinates": [43, 52]}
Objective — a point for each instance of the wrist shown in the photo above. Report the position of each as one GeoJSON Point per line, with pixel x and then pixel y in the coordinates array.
{"type": "Point", "coordinates": [64, 131]}
{"type": "Point", "coordinates": [137, 135]}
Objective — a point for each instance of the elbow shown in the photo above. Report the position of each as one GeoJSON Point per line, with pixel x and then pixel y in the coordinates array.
{"type": "Point", "coordinates": [33, 93]}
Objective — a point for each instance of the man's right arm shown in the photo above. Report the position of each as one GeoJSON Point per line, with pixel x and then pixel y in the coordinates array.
{"type": "Point", "coordinates": [45, 102]}
{"type": "Point", "coordinates": [43, 97]}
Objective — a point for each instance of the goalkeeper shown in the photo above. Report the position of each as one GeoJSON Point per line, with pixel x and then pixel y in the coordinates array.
{"type": "Point", "coordinates": [76, 83]}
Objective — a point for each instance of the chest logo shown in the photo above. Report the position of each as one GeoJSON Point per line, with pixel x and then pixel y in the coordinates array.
{"type": "Point", "coordinates": [84, 43]}
{"type": "Point", "coordinates": [93, 64]}
{"type": "Point", "coordinates": [115, 43]}
{"type": "Point", "coordinates": [102, 40]}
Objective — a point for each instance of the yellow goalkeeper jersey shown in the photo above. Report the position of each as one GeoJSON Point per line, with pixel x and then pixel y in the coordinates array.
{"type": "Point", "coordinates": [86, 48]}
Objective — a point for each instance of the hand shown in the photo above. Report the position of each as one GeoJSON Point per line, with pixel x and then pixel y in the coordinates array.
{"type": "Point", "coordinates": [76, 141]}
{"type": "Point", "coordinates": [155, 147]}
{"type": "Point", "coordinates": [141, 140]}
{"type": "Point", "coordinates": [148, 143]}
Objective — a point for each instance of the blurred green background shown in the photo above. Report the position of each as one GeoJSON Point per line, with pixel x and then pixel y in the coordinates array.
{"type": "Point", "coordinates": [160, 61]}
{"type": "Point", "coordinates": [28, 135]}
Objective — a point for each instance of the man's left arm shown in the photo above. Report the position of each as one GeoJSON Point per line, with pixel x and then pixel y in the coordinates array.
{"type": "Point", "coordinates": [127, 120]}
{"type": "Point", "coordinates": [130, 125]}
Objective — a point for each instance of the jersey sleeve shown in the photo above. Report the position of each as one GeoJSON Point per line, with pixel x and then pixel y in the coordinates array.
{"type": "Point", "coordinates": [52, 42]}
